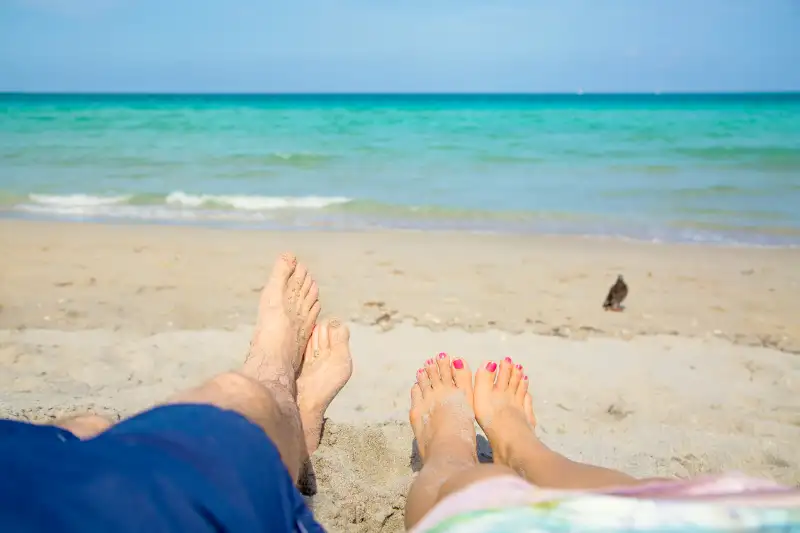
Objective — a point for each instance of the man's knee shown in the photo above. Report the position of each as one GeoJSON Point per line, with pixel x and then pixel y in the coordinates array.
{"type": "Point", "coordinates": [85, 426]}
{"type": "Point", "coordinates": [239, 393]}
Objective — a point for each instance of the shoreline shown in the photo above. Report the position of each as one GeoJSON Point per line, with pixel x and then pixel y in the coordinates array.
{"type": "Point", "coordinates": [290, 225]}
{"type": "Point", "coordinates": [83, 275]}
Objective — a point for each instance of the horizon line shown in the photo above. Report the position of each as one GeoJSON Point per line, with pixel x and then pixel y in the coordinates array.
{"type": "Point", "coordinates": [406, 93]}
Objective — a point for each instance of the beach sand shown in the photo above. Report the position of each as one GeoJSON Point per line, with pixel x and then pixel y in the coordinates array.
{"type": "Point", "coordinates": [701, 373]}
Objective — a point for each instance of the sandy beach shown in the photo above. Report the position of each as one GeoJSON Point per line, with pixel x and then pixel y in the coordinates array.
{"type": "Point", "coordinates": [700, 373]}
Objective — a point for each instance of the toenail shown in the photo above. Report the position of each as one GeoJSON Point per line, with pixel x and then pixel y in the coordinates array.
{"type": "Point", "coordinates": [508, 360]}
{"type": "Point", "coordinates": [458, 364]}
{"type": "Point", "coordinates": [525, 378]}
{"type": "Point", "coordinates": [421, 371]}
{"type": "Point", "coordinates": [491, 366]}
{"type": "Point", "coordinates": [442, 355]}
{"type": "Point", "coordinates": [519, 367]}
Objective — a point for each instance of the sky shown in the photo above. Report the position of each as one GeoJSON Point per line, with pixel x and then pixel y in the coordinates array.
{"type": "Point", "coordinates": [399, 45]}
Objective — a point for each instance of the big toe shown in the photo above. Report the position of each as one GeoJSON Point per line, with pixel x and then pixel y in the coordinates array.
{"type": "Point", "coordinates": [338, 332]}
{"type": "Point", "coordinates": [462, 375]}
{"type": "Point", "coordinates": [484, 377]}
{"type": "Point", "coordinates": [284, 267]}
{"type": "Point", "coordinates": [339, 341]}
{"type": "Point", "coordinates": [322, 337]}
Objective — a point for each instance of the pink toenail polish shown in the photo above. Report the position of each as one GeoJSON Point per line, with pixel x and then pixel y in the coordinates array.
{"type": "Point", "coordinates": [458, 364]}
{"type": "Point", "coordinates": [420, 371]}
{"type": "Point", "coordinates": [429, 362]}
{"type": "Point", "coordinates": [491, 366]}
{"type": "Point", "coordinates": [519, 367]}
{"type": "Point", "coordinates": [525, 378]}
{"type": "Point", "coordinates": [442, 355]}
{"type": "Point", "coordinates": [508, 360]}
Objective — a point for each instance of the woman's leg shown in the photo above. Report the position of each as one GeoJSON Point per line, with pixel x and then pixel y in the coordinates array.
{"type": "Point", "coordinates": [444, 425]}
{"type": "Point", "coordinates": [504, 411]}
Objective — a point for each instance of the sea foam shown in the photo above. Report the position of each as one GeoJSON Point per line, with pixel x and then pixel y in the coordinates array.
{"type": "Point", "coordinates": [77, 200]}
{"type": "Point", "coordinates": [180, 199]}
{"type": "Point", "coordinates": [253, 203]}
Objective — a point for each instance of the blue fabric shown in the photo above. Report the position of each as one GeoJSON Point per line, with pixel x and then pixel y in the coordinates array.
{"type": "Point", "coordinates": [178, 468]}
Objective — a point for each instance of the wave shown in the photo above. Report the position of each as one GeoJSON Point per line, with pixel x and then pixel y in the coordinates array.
{"type": "Point", "coordinates": [185, 205]}
{"type": "Point", "coordinates": [180, 199]}
{"type": "Point", "coordinates": [78, 200]}
{"type": "Point", "coordinates": [254, 203]}
{"type": "Point", "coordinates": [339, 212]}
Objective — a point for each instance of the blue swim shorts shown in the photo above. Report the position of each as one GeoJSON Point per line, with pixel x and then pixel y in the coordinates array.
{"type": "Point", "coordinates": [177, 468]}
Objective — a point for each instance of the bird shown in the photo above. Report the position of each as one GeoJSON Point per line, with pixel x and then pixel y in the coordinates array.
{"type": "Point", "coordinates": [616, 295]}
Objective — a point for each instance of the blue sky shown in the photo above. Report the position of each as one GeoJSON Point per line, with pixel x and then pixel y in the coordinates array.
{"type": "Point", "coordinates": [399, 45]}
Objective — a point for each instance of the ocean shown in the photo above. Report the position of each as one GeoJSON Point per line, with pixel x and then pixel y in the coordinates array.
{"type": "Point", "coordinates": [715, 168]}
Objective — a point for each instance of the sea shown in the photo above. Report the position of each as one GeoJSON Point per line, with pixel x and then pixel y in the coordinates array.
{"type": "Point", "coordinates": [705, 168]}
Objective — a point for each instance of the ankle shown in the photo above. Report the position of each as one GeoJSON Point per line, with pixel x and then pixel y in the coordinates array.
{"type": "Point", "coordinates": [509, 432]}
{"type": "Point", "coordinates": [453, 446]}
{"type": "Point", "coordinates": [274, 375]}
{"type": "Point", "coordinates": [453, 451]}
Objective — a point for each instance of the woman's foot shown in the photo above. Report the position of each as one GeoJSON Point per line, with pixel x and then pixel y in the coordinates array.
{"type": "Point", "coordinates": [503, 406]}
{"type": "Point", "coordinates": [287, 311]}
{"type": "Point", "coordinates": [444, 425]}
{"type": "Point", "coordinates": [441, 409]}
{"type": "Point", "coordinates": [327, 366]}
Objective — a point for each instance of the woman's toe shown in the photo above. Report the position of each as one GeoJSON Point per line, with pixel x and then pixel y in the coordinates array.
{"type": "Point", "coordinates": [443, 365]}
{"type": "Point", "coordinates": [484, 377]}
{"type": "Point", "coordinates": [423, 381]}
{"type": "Point", "coordinates": [462, 375]}
{"type": "Point", "coordinates": [504, 375]}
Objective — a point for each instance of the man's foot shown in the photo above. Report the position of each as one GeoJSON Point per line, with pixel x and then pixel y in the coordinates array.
{"type": "Point", "coordinates": [503, 406]}
{"type": "Point", "coordinates": [441, 409]}
{"type": "Point", "coordinates": [287, 311]}
{"type": "Point", "coordinates": [327, 366]}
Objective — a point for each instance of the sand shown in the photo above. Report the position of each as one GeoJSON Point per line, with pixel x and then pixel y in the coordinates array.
{"type": "Point", "coordinates": [701, 372]}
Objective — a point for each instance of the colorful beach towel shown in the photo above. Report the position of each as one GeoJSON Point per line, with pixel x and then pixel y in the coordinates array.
{"type": "Point", "coordinates": [722, 503]}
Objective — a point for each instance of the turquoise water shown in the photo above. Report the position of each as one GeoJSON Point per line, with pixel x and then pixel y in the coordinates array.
{"type": "Point", "coordinates": [708, 168]}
